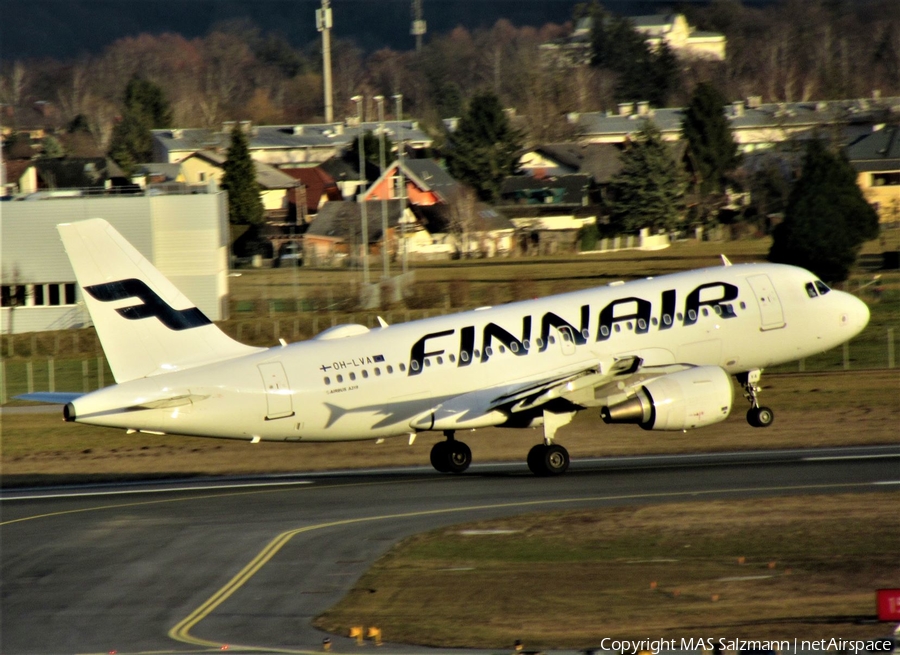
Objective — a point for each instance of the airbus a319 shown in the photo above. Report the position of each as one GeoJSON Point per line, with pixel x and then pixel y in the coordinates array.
{"type": "Point", "coordinates": [659, 353]}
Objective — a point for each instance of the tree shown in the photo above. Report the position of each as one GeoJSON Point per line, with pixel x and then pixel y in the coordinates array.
{"type": "Point", "coordinates": [649, 190]}
{"type": "Point", "coordinates": [483, 149]}
{"type": "Point", "coordinates": [642, 73]}
{"type": "Point", "coordinates": [827, 218]}
{"type": "Point", "coordinates": [711, 145]}
{"type": "Point", "coordinates": [239, 180]}
{"type": "Point", "coordinates": [53, 149]}
{"type": "Point", "coordinates": [145, 109]}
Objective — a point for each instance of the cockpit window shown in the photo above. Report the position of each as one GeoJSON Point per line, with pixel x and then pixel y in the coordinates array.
{"type": "Point", "coordinates": [822, 287]}
{"type": "Point", "coordinates": [811, 290]}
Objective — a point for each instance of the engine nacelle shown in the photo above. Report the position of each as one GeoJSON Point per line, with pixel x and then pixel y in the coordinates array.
{"type": "Point", "coordinates": [687, 399]}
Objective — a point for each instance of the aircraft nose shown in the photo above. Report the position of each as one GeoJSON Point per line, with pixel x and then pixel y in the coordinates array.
{"type": "Point", "coordinates": [854, 314]}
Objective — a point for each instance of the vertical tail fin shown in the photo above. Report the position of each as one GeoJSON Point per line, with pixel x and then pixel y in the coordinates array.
{"type": "Point", "coordinates": [146, 326]}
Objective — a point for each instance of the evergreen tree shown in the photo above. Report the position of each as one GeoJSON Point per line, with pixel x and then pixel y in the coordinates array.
{"type": "Point", "coordinates": [244, 204]}
{"type": "Point", "coordinates": [649, 190]}
{"type": "Point", "coordinates": [145, 108]}
{"type": "Point", "coordinates": [642, 73]}
{"type": "Point", "coordinates": [711, 145]}
{"type": "Point", "coordinates": [827, 218]}
{"type": "Point", "coordinates": [483, 149]}
{"type": "Point", "coordinates": [53, 149]}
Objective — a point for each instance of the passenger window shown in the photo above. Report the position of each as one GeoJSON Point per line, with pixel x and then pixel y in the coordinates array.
{"type": "Point", "coordinates": [811, 290]}
{"type": "Point", "coordinates": [822, 287]}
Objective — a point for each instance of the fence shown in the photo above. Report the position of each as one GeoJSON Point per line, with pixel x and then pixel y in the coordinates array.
{"type": "Point", "coordinates": [873, 349]}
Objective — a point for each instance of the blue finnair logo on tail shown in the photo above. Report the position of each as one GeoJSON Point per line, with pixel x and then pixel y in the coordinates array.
{"type": "Point", "coordinates": [174, 319]}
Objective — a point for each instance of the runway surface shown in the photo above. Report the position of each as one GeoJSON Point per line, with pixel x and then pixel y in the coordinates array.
{"type": "Point", "coordinates": [196, 565]}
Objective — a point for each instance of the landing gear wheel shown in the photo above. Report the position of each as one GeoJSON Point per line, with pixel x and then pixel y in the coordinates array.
{"type": "Point", "coordinates": [459, 456]}
{"type": "Point", "coordinates": [451, 456]}
{"type": "Point", "coordinates": [439, 457]}
{"type": "Point", "coordinates": [760, 417]}
{"type": "Point", "coordinates": [546, 461]}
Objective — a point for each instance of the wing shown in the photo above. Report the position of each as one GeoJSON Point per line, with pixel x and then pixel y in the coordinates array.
{"type": "Point", "coordinates": [496, 405]}
{"type": "Point", "coordinates": [55, 397]}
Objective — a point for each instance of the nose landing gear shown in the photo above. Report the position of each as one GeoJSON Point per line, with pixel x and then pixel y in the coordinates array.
{"type": "Point", "coordinates": [757, 416]}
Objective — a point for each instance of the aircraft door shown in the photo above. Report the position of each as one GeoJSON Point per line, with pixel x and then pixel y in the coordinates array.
{"type": "Point", "coordinates": [770, 312]}
{"type": "Point", "coordinates": [278, 391]}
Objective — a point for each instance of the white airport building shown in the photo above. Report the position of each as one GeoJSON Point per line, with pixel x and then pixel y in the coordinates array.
{"type": "Point", "coordinates": [185, 236]}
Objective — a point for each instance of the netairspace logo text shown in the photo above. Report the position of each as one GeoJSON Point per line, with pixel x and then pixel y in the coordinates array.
{"type": "Point", "coordinates": [656, 646]}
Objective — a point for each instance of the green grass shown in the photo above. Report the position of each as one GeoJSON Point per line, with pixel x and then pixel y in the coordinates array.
{"type": "Point", "coordinates": [763, 569]}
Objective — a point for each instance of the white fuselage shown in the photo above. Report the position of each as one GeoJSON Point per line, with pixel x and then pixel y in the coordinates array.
{"type": "Point", "coordinates": [380, 382]}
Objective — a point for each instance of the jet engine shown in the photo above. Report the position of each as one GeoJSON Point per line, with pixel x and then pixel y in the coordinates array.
{"type": "Point", "coordinates": [687, 399]}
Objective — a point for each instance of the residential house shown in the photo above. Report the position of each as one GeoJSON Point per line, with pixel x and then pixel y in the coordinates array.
{"type": "Point", "coordinates": [420, 181]}
{"type": "Point", "coordinates": [336, 236]}
{"type": "Point", "coordinates": [685, 41]}
{"type": "Point", "coordinates": [319, 188]}
{"type": "Point", "coordinates": [570, 191]}
{"type": "Point", "coordinates": [754, 124]}
{"type": "Point", "coordinates": [876, 159]}
{"type": "Point", "coordinates": [278, 191]}
{"type": "Point", "coordinates": [281, 144]}
{"type": "Point", "coordinates": [464, 230]}
{"type": "Point", "coordinates": [85, 173]}
{"type": "Point", "coordinates": [18, 177]}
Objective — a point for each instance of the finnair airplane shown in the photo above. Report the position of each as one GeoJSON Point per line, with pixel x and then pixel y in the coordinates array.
{"type": "Point", "coordinates": [659, 353]}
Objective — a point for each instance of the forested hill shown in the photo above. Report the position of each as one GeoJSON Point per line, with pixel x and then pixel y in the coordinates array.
{"type": "Point", "coordinates": [68, 28]}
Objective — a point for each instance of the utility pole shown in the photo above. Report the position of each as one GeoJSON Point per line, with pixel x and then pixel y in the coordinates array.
{"type": "Point", "coordinates": [359, 100]}
{"type": "Point", "coordinates": [382, 164]}
{"type": "Point", "coordinates": [419, 27]}
{"type": "Point", "coordinates": [323, 24]}
{"type": "Point", "coordinates": [401, 145]}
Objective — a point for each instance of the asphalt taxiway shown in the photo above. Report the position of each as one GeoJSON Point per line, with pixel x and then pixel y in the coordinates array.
{"type": "Point", "coordinates": [189, 566]}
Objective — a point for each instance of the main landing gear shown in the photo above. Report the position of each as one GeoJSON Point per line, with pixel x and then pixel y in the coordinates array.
{"type": "Point", "coordinates": [450, 456]}
{"type": "Point", "coordinates": [757, 416]}
{"type": "Point", "coordinates": [546, 460]}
